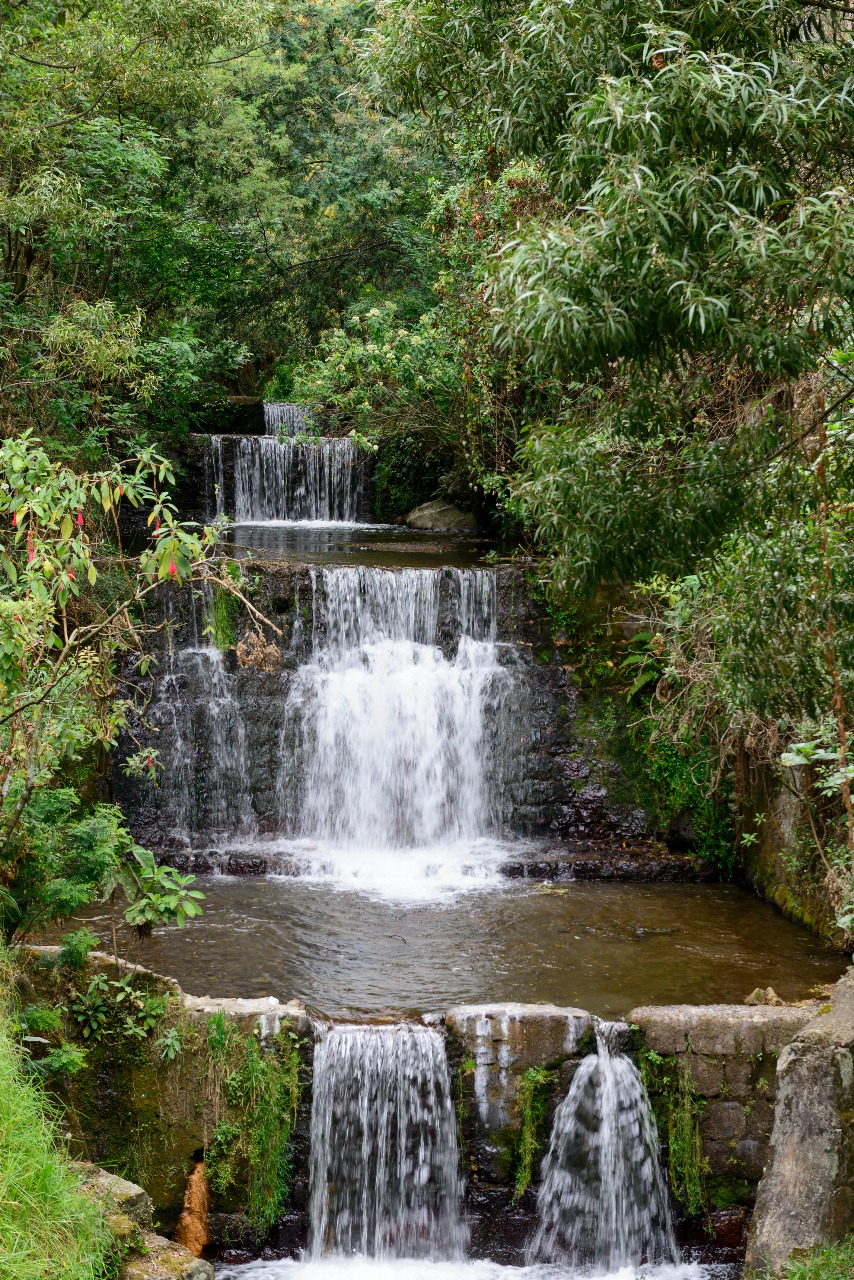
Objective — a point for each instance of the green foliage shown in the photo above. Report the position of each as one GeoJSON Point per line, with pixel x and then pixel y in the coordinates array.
{"type": "Point", "coordinates": [48, 1229]}
{"type": "Point", "coordinates": [259, 1088]}
{"type": "Point", "coordinates": [668, 1081]}
{"type": "Point", "coordinates": [116, 1009]}
{"type": "Point", "coordinates": [681, 776]}
{"type": "Point", "coordinates": [75, 949]}
{"type": "Point", "coordinates": [534, 1086]}
{"type": "Point", "coordinates": [831, 1262]}
{"type": "Point", "coordinates": [224, 612]}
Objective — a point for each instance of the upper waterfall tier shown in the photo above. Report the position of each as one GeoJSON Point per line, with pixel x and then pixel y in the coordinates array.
{"type": "Point", "coordinates": [257, 479]}
{"type": "Point", "coordinates": [385, 1180]}
{"type": "Point", "coordinates": [281, 417]}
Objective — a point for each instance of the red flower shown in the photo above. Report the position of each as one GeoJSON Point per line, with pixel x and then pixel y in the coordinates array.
{"type": "Point", "coordinates": [71, 573]}
{"type": "Point", "coordinates": [31, 555]}
{"type": "Point", "coordinates": [172, 569]}
{"type": "Point", "coordinates": [15, 520]}
{"type": "Point", "coordinates": [149, 762]}
{"type": "Point", "coordinates": [79, 516]}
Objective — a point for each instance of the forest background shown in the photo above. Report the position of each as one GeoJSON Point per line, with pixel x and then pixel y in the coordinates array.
{"type": "Point", "coordinates": [585, 269]}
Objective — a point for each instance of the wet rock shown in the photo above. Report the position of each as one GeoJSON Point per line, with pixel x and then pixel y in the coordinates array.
{"type": "Point", "coordinates": [763, 995]}
{"type": "Point", "coordinates": [246, 865]}
{"type": "Point", "coordinates": [489, 1049]}
{"type": "Point", "coordinates": [806, 1198]}
{"type": "Point", "coordinates": [440, 516]}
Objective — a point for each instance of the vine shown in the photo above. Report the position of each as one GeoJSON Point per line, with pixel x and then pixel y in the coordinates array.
{"type": "Point", "coordinates": [256, 1097]}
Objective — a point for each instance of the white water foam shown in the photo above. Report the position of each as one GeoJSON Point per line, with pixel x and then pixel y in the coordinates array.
{"type": "Point", "coordinates": [602, 1203]}
{"type": "Point", "coordinates": [427, 1269]}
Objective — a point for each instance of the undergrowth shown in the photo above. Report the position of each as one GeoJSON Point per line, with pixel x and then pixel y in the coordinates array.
{"type": "Point", "coordinates": [668, 1082]}
{"type": "Point", "coordinates": [256, 1096]}
{"type": "Point", "coordinates": [533, 1096]}
{"type": "Point", "coordinates": [49, 1230]}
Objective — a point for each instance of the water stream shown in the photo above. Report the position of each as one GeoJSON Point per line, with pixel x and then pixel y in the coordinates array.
{"type": "Point", "coordinates": [385, 754]}
{"type": "Point", "coordinates": [275, 480]}
{"type": "Point", "coordinates": [385, 1180]}
{"type": "Point", "coordinates": [603, 1202]}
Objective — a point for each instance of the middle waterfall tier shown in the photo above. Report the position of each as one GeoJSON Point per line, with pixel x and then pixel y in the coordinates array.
{"type": "Point", "coordinates": [388, 718]}
{"type": "Point", "coordinates": [257, 479]}
{"type": "Point", "coordinates": [385, 1164]}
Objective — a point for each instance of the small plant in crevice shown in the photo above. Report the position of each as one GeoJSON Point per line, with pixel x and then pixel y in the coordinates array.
{"type": "Point", "coordinates": [464, 1070]}
{"type": "Point", "coordinates": [534, 1087]}
{"type": "Point", "coordinates": [256, 1093]}
{"type": "Point", "coordinates": [668, 1082]}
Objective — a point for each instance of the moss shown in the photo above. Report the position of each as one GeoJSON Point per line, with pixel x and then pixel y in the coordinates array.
{"type": "Point", "coordinates": [677, 1110]}
{"type": "Point", "coordinates": [225, 610]}
{"type": "Point", "coordinates": [534, 1087]}
{"type": "Point", "coordinates": [258, 1093]}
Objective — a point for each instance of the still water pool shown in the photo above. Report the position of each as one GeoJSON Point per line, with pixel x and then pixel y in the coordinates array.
{"type": "Point", "coordinates": [606, 947]}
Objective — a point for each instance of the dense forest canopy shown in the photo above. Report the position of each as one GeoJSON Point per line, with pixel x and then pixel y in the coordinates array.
{"type": "Point", "coordinates": [583, 268]}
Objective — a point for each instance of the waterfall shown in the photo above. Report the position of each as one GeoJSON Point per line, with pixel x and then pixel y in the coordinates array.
{"type": "Point", "coordinates": [282, 416]}
{"type": "Point", "coordinates": [385, 1178]}
{"type": "Point", "coordinates": [275, 481]}
{"type": "Point", "coordinates": [407, 711]}
{"type": "Point", "coordinates": [202, 738]}
{"type": "Point", "coordinates": [603, 1201]}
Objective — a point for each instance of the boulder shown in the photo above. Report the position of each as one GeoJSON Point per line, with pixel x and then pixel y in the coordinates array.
{"type": "Point", "coordinates": [441, 517]}
{"type": "Point", "coordinates": [806, 1198]}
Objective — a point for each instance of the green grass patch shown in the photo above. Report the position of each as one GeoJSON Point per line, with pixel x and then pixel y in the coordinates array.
{"type": "Point", "coordinates": [49, 1230]}
{"type": "Point", "coordinates": [833, 1262]}
{"type": "Point", "coordinates": [534, 1088]}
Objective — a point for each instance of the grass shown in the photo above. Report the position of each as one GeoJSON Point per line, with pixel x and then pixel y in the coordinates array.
{"type": "Point", "coordinates": [833, 1262]}
{"type": "Point", "coordinates": [49, 1230]}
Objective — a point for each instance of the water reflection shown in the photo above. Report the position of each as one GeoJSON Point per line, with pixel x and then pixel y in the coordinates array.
{"type": "Point", "coordinates": [606, 947]}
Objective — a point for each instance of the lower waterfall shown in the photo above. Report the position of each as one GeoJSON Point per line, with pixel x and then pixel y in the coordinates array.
{"type": "Point", "coordinates": [385, 1179]}
{"type": "Point", "coordinates": [603, 1201]}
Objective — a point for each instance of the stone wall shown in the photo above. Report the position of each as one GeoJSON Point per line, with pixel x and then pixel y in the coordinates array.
{"type": "Point", "coordinates": [719, 1063]}
{"type": "Point", "coordinates": [149, 1117]}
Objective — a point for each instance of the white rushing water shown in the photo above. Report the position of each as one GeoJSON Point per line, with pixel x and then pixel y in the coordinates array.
{"type": "Point", "coordinates": [385, 1180]}
{"type": "Point", "coordinates": [425, 1269]}
{"type": "Point", "coordinates": [280, 416]}
{"type": "Point", "coordinates": [382, 763]}
{"type": "Point", "coordinates": [603, 1203]}
{"type": "Point", "coordinates": [274, 480]}
{"type": "Point", "coordinates": [405, 747]}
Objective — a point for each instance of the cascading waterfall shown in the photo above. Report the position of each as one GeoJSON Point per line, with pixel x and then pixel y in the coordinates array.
{"type": "Point", "coordinates": [385, 1179]}
{"type": "Point", "coordinates": [203, 784]}
{"type": "Point", "coordinates": [603, 1201]}
{"type": "Point", "coordinates": [380, 751]}
{"type": "Point", "coordinates": [281, 416]}
{"type": "Point", "coordinates": [282, 481]}
{"type": "Point", "coordinates": [401, 746]}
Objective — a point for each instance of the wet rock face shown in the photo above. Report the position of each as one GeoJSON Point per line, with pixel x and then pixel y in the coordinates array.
{"type": "Point", "coordinates": [806, 1198]}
